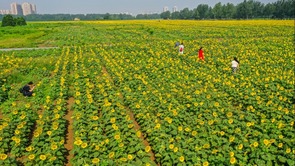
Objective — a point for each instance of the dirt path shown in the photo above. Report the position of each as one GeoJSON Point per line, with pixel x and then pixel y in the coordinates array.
{"type": "Point", "coordinates": [69, 140]}
{"type": "Point", "coordinates": [20, 49]}
{"type": "Point", "coordinates": [137, 128]}
{"type": "Point", "coordinates": [136, 125]}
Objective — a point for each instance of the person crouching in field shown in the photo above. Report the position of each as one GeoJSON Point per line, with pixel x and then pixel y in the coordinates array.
{"type": "Point", "coordinates": [235, 65]}
{"type": "Point", "coordinates": [27, 90]}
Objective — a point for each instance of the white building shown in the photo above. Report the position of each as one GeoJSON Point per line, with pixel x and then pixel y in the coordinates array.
{"type": "Point", "coordinates": [165, 9]}
{"type": "Point", "coordinates": [16, 9]}
{"type": "Point", "coordinates": [174, 9]}
{"type": "Point", "coordinates": [27, 8]}
{"type": "Point", "coordinates": [34, 9]}
{"type": "Point", "coordinates": [2, 12]}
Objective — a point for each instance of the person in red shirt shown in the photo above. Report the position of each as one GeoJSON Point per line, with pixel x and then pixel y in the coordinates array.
{"type": "Point", "coordinates": [201, 54]}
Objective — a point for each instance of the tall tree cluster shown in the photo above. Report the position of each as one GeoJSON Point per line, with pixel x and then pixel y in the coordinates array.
{"type": "Point", "coordinates": [8, 20]}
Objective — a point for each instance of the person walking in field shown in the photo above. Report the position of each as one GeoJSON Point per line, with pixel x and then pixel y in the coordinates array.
{"type": "Point", "coordinates": [201, 54]}
{"type": "Point", "coordinates": [235, 65]}
{"type": "Point", "coordinates": [181, 48]}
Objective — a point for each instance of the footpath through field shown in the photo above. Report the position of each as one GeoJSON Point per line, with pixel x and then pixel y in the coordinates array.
{"type": "Point", "coordinates": [20, 49]}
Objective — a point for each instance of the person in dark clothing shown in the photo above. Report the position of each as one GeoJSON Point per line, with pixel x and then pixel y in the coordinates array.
{"type": "Point", "coordinates": [27, 90]}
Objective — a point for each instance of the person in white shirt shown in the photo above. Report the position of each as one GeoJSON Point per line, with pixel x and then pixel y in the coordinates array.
{"type": "Point", "coordinates": [181, 48]}
{"type": "Point", "coordinates": [235, 65]}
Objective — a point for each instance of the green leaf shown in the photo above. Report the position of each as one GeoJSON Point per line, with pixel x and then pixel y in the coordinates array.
{"type": "Point", "coordinates": [290, 162]}
{"type": "Point", "coordinates": [282, 159]}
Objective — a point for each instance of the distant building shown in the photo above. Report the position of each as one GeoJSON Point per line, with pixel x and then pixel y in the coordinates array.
{"type": "Point", "coordinates": [34, 9]}
{"type": "Point", "coordinates": [16, 9]}
{"type": "Point", "coordinates": [27, 9]}
{"type": "Point", "coordinates": [165, 9]}
{"type": "Point", "coordinates": [174, 9]}
{"type": "Point", "coordinates": [5, 12]}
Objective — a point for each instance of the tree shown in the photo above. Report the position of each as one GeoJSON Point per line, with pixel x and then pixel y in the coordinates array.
{"type": "Point", "coordinates": [269, 10]}
{"type": "Point", "coordinates": [186, 14]}
{"type": "Point", "coordinates": [20, 21]}
{"type": "Point", "coordinates": [243, 10]}
{"type": "Point", "coordinates": [217, 11]}
{"type": "Point", "coordinates": [257, 9]}
{"type": "Point", "coordinates": [8, 21]}
{"type": "Point", "coordinates": [203, 11]}
{"type": "Point", "coordinates": [175, 15]}
{"type": "Point", "coordinates": [229, 10]}
{"type": "Point", "coordinates": [166, 15]}
{"type": "Point", "coordinates": [196, 14]}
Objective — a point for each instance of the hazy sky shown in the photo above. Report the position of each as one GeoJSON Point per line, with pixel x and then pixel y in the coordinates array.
{"type": "Point", "coordinates": [114, 6]}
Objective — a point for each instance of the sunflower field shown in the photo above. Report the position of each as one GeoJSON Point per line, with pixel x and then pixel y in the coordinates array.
{"type": "Point", "coordinates": [119, 93]}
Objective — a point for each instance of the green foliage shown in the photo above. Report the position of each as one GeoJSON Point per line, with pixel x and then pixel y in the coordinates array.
{"type": "Point", "coordinates": [20, 21]}
{"type": "Point", "coordinates": [8, 20]}
{"type": "Point", "coordinates": [4, 89]}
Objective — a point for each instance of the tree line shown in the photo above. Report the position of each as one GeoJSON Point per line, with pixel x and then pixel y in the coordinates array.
{"type": "Point", "coordinates": [248, 9]}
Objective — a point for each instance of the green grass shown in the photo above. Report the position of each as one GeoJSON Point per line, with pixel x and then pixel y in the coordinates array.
{"type": "Point", "coordinates": [23, 36]}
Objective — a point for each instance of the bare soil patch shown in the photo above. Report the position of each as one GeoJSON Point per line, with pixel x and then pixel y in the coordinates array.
{"type": "Point", "coordinates": [69, 140]}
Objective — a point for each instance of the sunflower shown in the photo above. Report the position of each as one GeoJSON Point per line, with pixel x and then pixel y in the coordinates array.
{"type": "Point", "coordinates": [171, 146]}
{"type": "Point", "coordinates": [158, 125]}
{"type": "Point", "coordinates": [240, 147]}
{"type": "Point", "coordinates": [95, 118]}
{"type": "Point", "coordinates": [232, 160]}
{"type": "Point", "coordinates": [111, 155]}
{"type": "Point", "coordinates": [3, 156]}
{"type": "Point", "coordinates": [113, 120]}
{"type": "Point", "coordinates": [231, 138]}
{"type": "Point", "coordinates": [78, 142]}
{"type": "Point", "coordinates": [206, 146]}
{"type": "Point", "coordinates": [288, 150]}
{"type": "Point", "coordinates": [84, 145]}
{"type": "Point", "coordinates": [16, 132]}
{"type": "Point", "coordinates": [95, 160]}
{"type": "Point", "coordinates": [121, 145]}
{"type": "Point", "coordinates": [206, 163]}
{"type": "Point", "coordinates": [42, 157]}
{"type": "Point", "coordinates": [266, 142]}
{"type": "Point", "coordinates": [194, 133]}
{"type": "Point", "coordinates": [97, 147]}
{"type": "Point", "coordinates": [117, 136]}
{"type": "Point", "coordinates": [147, 148]}
{"type": "Point", "coordinates": [181, 159]}
{"type": "Point", "coordinates": [138, 134]}
{"type": "Point", "coordinates": [229, 114]}
{"type": "Point", "coordinates": [231, 154]}
{"type": "Point", "coordinates": [179, 128]}
{"type": "Point", "coordinates": [255, 144]}
{"type": "Point", "coordinates": [53, 147]}
{"type": "Point", "coordinates": [280, 145]}
{"type": "Point", "coordinates": [130, 157]}
{"type": "Point", "coordinates": [31, 156]}
{"type": "Point", "coordinates": [130, 125]}
{"type": "Point", "coordinates": [29, 148]}
{"type": "Point", "coordinates": [230, 121]}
